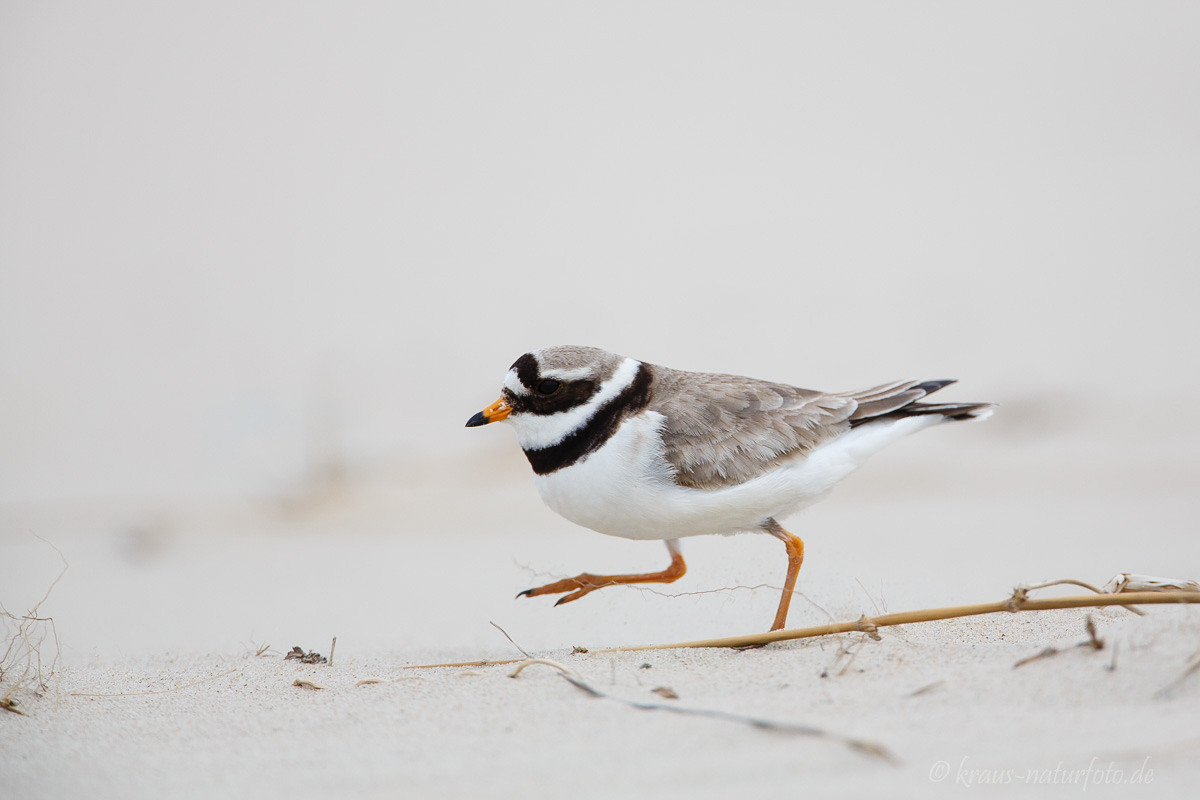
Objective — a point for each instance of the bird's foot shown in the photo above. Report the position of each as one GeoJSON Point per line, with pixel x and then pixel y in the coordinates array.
{"type": "Point", "coordinates": [578, 586]}
{"type": "Point", "coordinates": [587, 583]}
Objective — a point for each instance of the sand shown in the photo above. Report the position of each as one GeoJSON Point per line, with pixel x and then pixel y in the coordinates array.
{"type": "Point", "coordinates": [260, 262]}
{"type": "Point", "coordinates": [163, 691]}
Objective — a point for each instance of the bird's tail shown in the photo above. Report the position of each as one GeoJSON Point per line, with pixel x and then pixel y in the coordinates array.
{"type": "Point", "coordinates": [900, 399]}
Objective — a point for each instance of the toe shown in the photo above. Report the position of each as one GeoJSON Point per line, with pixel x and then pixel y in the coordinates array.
{"type": "Point", "coordinates": [572, 596]}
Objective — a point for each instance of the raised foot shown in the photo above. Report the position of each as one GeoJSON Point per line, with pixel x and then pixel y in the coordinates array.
{"type": "Point", "coordinates": [577, 586]}
{"type": "Point", "coordinates": [586, 583]}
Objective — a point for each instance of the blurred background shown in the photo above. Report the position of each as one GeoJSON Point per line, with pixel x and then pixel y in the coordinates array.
{"type": "Point", "coordinates": [260, 261]}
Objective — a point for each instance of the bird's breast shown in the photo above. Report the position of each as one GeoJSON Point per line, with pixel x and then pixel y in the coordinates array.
{"type": "Point", "coordinates": [620, 488]}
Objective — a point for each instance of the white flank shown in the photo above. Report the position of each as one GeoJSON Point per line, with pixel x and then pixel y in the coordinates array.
{"type": "Point", "coordinates": [625, 488]}
{"type": "Point", "coordinates": [537, 431]}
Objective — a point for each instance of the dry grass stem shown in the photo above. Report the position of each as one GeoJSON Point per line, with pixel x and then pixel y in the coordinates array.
{"type": "Point", "coordinates": [927, 688]}
{"type": "Point", "coordinates": [872, 749]}
{"type": "Point", "coordinates": [520, 649]}
{"type": "Point", "coordinates": [397, 679]}
{"type": "Point", "coordinates": [1093, 641]}
{"type": "Point", "coordinates": [529, 662]}
{"type": "Point", "coordinates": [871, 625]}
{"type": "Point", "coordinates": [1131, 582]}
{"type": "Point", "coordinates": [479, 663]}
{"type": "Point", "coordinates": [1022, 591]}
{"type": "Point", "coordinates": [1049, 651]}
{"type": "Point", "coordinates": [1018, 602]}
{"type": "Point", "coordinates": [22, 665]}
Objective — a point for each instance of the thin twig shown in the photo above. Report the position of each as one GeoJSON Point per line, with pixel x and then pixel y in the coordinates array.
{"type": "Point", "coordinates": [510, 639]}
{"type": "Point", "coordinates": [575, 679]}
{"type": "Point", "coordinates": [1049, 651]}
{"type": "Point", "coordinates": [529, 662]}
{"type": "Point", "coordinates": [1024, 589]}
{"type": "Point", "coordinates": [870, 624]}
{"type": "Point", "coordinates": [1093, 641]}
{"type": "Point", "coordinates": [7, 703]}
{"type": "Point", "coordinates": [927, 688]}
{"type": "Point", "coordinates": [25, 644]}
{"type": "Point", "coordinates": [479, 663]}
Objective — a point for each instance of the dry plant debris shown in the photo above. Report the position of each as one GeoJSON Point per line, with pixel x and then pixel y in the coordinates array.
{"type": "Point", "coordinates": [23, 667]}
{"type": "Point", "coordinates": [510, 639]}
{"type": "Point", "coordinates": [927, 688]}
{"type": "Point", "coordinates": [376, 681]}
{"type": "Point", "coordinates": [311, 657]}
{"type": "Point", "coordinates": [1018, 602]}
{"type": "Point", "coordinates": [872, 749]}
{"type": "Point", "coordinates": [1093, 641]}
{"type": "Point", "coordinates": [307, 684]}
{"type": "Point", "coordinates": [1130, 582]}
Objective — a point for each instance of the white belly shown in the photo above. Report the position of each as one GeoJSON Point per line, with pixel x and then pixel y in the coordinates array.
{"type": "Point", "coordinates": [625, 488]}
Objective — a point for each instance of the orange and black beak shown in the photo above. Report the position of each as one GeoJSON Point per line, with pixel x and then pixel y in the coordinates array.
{"type": "Point", "coordinates": [493, 413]}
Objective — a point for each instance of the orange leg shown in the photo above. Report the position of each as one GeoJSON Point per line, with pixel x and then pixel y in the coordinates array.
{"type": "Point", "coordinates": [586, 583]}
{"type": "Point", "coordinates": [795, 553]}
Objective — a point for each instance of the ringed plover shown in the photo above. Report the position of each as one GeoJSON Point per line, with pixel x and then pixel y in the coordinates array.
{"type": "Point", "coordinates": [641, 451]}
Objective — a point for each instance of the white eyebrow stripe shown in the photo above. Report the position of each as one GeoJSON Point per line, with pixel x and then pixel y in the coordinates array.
{"type": "Point", "coordinates": [566, 374]}
{"type": "Point", "coordinates": [538, 431]}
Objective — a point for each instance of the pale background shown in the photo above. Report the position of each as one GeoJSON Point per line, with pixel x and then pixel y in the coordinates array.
{"type": "Point", "coordinates": [233, 232]}
{"type": "Point", "coordinates": [259, 262]}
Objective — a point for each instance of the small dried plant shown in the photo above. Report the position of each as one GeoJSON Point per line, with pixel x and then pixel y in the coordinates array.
{"type": "Point", "coordinates": [26, 665]}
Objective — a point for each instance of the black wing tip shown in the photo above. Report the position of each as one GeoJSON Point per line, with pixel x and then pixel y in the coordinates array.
{"type": "Point", "coordinates": [929, 387]}
{"type": "Point", "coordinates": [951, 412]}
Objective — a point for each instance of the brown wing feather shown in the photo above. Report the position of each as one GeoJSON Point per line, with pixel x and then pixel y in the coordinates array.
{"type": "Point", "coordinates": [882, 399]}
{"type": "Point", "coordinates": [722, 430]}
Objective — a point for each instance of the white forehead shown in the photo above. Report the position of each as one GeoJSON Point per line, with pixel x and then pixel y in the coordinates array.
{"type": "Point", "coordinates": [513, 383]}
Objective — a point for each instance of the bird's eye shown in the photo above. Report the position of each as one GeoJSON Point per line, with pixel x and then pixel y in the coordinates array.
{"type": "Point", "coordinates": [548, 386]}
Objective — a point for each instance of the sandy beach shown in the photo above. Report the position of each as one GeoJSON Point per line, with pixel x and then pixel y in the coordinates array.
{"type": "Point", "coordinates": [260, 262]}
{"type": "Point", "coordinates": [174, 698]}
